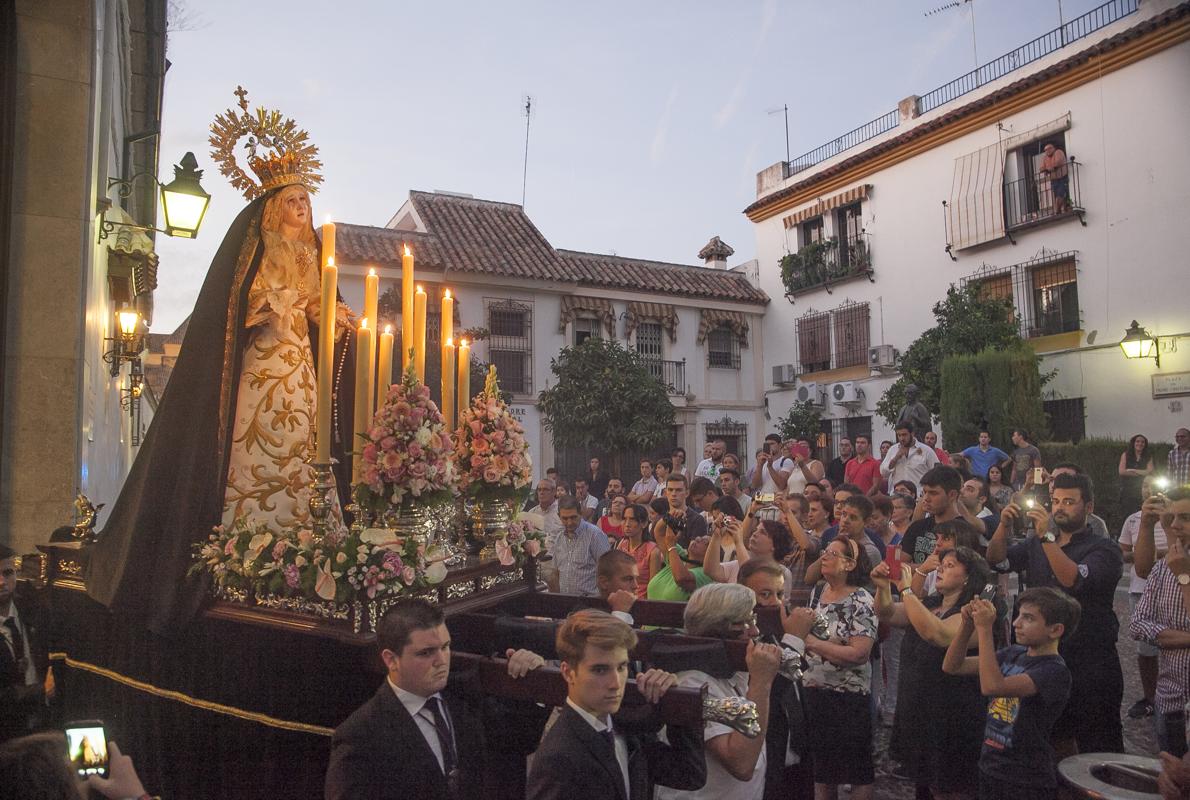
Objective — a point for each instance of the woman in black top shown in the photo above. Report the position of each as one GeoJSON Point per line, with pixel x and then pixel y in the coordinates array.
{"type": "Point", "coordinates": [1135, 463]}
{"type": "Point", "coordinates": [938, 730]}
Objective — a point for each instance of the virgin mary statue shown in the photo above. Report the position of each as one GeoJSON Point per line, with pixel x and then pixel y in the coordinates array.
{"type": "Point", "coordinates": [234, 430]}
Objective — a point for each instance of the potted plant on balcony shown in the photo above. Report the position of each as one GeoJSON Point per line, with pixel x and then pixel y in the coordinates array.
{"type": "Point", "coordinates": [808, 267]}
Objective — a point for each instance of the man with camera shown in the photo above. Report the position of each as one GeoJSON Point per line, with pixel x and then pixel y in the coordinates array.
{"type": "Point", "coordinates": [772, 469]}
{"type": "Point", "coordinates": [1088, 568]}
{"type": "Point", "coordinates": [686, 524]}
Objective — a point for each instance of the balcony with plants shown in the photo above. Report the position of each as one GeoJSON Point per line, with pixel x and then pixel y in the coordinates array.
{"type": "Point", "coordinates": [826, 263]}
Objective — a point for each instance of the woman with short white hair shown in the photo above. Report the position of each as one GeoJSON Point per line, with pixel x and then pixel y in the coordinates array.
{"type": "Point", "coordinates": [735, 763]}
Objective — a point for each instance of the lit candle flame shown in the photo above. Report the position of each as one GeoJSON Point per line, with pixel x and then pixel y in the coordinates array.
{"type": "Point", "coordinates": [420, 290]}
{"type": "Point", "coordinates": [408, 252]}
{"type": "Point", "coordinates": [450, 342]}
{"type": "Point", "coordinates": [388, 328]}
{"type": "Point", "coordinates": [463, 343]}
{"type": "Point", "coordinates": [448, 293]}
{"type": "Point", "coordinates": [330, 261]}
{"type": "Point", "coordinates": [363, 323]}
{"type": "Point", "coordinates": [371, 271]}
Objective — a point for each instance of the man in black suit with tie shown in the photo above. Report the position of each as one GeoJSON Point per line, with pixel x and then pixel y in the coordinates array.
{"type": "Point", "coordinates": [23, 657]}
{"type": "Point", "coordinates": [584, 754]}
{"type": "Point", "coordinates": [411, 739]}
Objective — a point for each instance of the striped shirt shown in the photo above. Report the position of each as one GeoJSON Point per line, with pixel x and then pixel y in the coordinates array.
{"type": "Point", "coordinates": [1162, 607]}
{"type": "Point", "coordinates": [575, 557]}
{"type": "Point", "coordinates": [1179, 466]}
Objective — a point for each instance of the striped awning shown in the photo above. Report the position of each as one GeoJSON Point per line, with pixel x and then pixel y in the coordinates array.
{"type": "Point", "coordinates": [852, 195]}
{"type": "Point", "coordinates": [598, 307]}
{"type": "Point", "coordinates": [713, 318]}
{"type": "Point", "coordinates": [664, 313]}
{"type": "Point", "coordinates": [975, 212]}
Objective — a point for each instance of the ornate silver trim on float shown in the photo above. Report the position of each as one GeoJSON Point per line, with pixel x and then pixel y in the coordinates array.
{"type": "Point", "coordinates": [734, 712]}
{"type": "Point", "coordinates": [488, 522]}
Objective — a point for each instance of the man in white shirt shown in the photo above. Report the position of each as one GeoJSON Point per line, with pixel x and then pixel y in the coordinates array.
{"type": "Point", "coordinates": [709, 467]}
{"type": "Point", "coordinates": [772, 470]}
{"type": "Point", "coordinates": [413, 714]}
{"type": "Point", "coordinates": [908, 459]}
{"type": "Point", "coordinates": [547, 507]}
{"type": "Point", "coordinates": [645, 488]}
{"type": "Point", "coordinates": [586, 501]}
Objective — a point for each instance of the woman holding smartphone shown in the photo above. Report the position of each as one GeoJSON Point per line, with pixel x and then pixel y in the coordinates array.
{"type": "Point", "coordinates": [806, 468]}
{"type": "Point", "coordinates": [938, 730]}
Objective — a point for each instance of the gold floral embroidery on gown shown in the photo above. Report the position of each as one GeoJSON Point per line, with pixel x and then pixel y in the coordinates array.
{"type": "Point", "coordinates": [268, 480]}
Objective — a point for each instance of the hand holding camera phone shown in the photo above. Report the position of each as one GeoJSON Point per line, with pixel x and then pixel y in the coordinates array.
{"type": "Point", "coordinates": [86, 742]}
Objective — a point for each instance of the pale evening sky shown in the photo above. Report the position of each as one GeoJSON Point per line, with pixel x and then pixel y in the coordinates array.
{"type": "Point", "coordinates": [649, 121]}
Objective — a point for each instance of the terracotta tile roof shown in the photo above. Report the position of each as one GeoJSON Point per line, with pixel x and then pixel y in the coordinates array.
{"type": "Point", "coordinates": [157, 375]}
{"type": "Point", "coordinates": [491, 238]}
{"type": "Point", "coordinates": [619, 272]}
{"type": "Point", "coordinates": [1016, 87]}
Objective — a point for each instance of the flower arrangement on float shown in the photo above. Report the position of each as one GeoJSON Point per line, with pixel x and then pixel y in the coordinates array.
{"type": "Point", "coordinates": [494, 472]}
{"type": "Point", "coordinates": [406, 453]}
{"type": "Point", "coordinates": [343, 567]}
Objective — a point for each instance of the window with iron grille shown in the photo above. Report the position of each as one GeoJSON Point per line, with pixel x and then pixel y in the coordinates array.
{"type": "Point", "coordinates": [723, 348]}
{"type": "Point", "coordinates": [510, 344]}
{"type": "Point", "coordinates": [1055, 299]}
{"type": "Point", "coordinates": [852, 328]}
{"type": "Point", "coordinates": [814, 341]}
{"type": "Point", "coordinates": [1068, 419]}
{"type": "Point", "coordinates": [1043, 292]}
{"type": "Point", "coordinates": [648, 340]}
{"type": "Point", "coordinates": [586, 328]}
{"type": "Point", "coordinates": [734, 435]}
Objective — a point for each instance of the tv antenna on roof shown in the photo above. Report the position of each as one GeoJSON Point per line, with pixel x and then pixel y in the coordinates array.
{"type": "Point", "coordinates": [784, 108]}
{"type": "Point", "coordinates": [959, 4]}
{"type": "Point", "coordinates": [525, 175]}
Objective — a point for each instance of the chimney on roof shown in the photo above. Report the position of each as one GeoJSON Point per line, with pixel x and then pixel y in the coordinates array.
{"type": "Point", "coordinates": [715, 253]}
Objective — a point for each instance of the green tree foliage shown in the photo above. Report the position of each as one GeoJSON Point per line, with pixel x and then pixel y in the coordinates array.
{"type": "Point", "coordinates": [801, 422]}
{"type": "Point", "coordinates": [966, 324]}
{"type": "Point", "coordinates": [605, 397]}
{"type": "Point", "coordinates": [999, 389]}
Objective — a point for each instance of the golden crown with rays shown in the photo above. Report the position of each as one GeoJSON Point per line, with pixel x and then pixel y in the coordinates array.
{"type": "Point", "coordinates": [278, 151]}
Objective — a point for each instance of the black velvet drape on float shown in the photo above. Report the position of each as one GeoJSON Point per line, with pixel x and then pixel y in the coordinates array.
{"type": "Point", "coordinates": [184, 746]}
{"type": "Point", "coordinates": [174, 492]}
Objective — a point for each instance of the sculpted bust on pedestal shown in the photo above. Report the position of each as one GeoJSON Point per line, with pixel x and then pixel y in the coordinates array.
{"type": "Point", "coordinates": [915, 414]}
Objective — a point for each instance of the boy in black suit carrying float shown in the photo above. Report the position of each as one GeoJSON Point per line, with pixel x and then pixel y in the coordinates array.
{"type": "Point", "coordinates": [584, 754]}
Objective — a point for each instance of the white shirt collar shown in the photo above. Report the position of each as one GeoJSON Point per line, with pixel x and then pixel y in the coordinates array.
{"type": "Point", "coordinates": [413, 702]}
{"type": "Point", "coordinates": [599, 725]}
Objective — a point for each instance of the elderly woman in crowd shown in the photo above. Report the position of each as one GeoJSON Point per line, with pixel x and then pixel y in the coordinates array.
{"type": "Point", "coordinates": [735, 763]}
{"type": "Point", "coordinates": [838, 677]}
{"type": "Point", "coordinates": [938, 731]}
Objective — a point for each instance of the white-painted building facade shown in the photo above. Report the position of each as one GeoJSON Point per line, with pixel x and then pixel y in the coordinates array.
{"type": "Point", "coordinates": [948, 189]}
{"type": "Point", "coordinates": [698, 327]}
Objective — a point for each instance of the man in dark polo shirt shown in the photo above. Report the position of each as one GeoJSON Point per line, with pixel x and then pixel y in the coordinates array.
{"type": "Point", "coordinates": [1088, 568]}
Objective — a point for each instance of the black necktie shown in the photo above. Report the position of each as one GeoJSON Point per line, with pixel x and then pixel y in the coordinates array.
{"type": "Point", "coordinates": [609, 736]}
{"type": "Point", "coordinates": [18, 645]}
{"type": "Point", "coordinates": [446, 742]}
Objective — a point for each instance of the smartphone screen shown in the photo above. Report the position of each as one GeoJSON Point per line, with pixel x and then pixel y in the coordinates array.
{"type": "Point", "coordinates": [801, 450]}
{"type": "Point", "coordinates": [87, 744]}
{"type": "Point", "coordinates": [1037, 475]}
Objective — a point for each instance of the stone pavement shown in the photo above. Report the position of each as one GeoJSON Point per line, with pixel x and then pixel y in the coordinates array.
{"type": "Point", "coordinates": [1139, 735]}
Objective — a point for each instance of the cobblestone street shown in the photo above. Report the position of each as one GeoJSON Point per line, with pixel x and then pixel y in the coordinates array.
{"type": "Point", "coordinates": [1139, 735]}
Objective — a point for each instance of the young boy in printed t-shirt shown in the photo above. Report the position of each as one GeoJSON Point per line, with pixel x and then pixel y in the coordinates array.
{"type": "Point", "coordinates": [1027, 684]}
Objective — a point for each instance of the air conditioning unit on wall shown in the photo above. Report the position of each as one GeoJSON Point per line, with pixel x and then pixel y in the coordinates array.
{"type": "Point", "coordinates": [811, 393]}
{"type": "Point", "coordinates": [883, 357]}
{"type": "Point", "coordinates": [784, 374]}
{"type": "Point", "coordinates": [846, 393]}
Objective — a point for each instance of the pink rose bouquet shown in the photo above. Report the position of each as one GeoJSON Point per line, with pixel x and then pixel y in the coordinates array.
{"type": "Point", "coordinates": [406, 454]}
{"type": "Point", "coordinates": [491, 454]}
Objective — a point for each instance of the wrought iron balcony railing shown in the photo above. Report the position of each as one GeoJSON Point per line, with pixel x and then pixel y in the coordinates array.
{"type": "Point", "coordinates": [826, 263]}
{"type": "Point", "coordinates": [670, 374]}
{"type": "Point", "coordinates": [1045, 195]}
